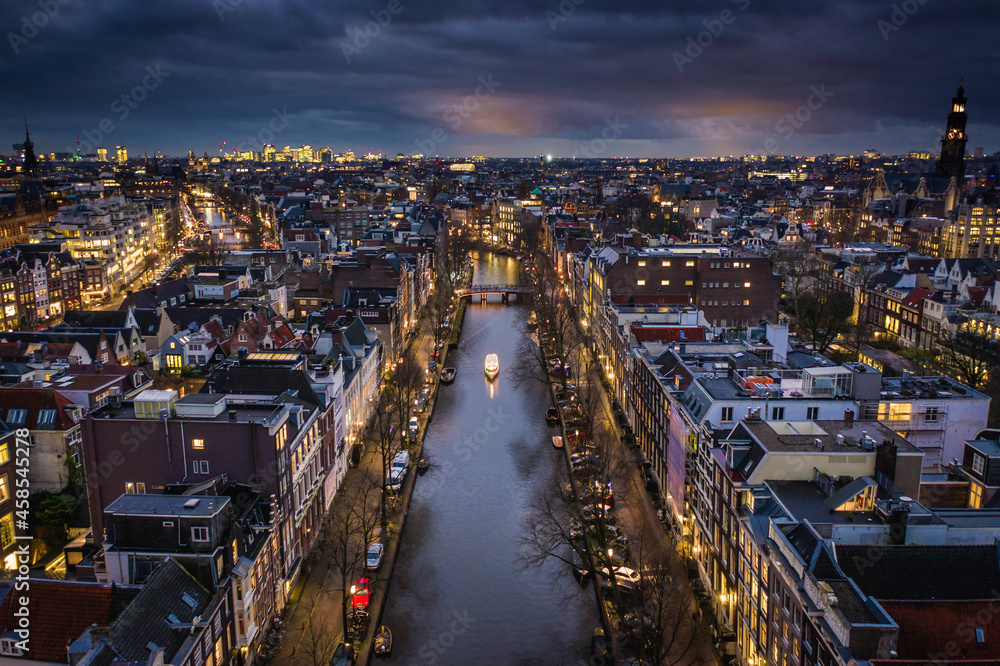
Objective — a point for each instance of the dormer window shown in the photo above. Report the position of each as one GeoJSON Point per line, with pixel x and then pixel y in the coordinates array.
{"type": "Point", "coordinates": [8, 647]}
{"type": "Point", "coordinates": [978, 464]}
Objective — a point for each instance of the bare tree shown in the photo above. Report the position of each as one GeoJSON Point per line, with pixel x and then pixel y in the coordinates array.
{"type": "Point", "coordinates": [383, 432]}
{"type": "Point", "coordinates": [658, 620]}
{"type": "Point", "coordinates": [318, 642]}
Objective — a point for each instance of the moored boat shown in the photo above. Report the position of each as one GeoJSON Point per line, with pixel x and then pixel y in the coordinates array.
{"type": "Point", "coordinates": [382, 645]}
{"type": "Point", "coordinates": [492, 366]}
{"type": "Point", "coordinates": [552, 416]}
{"type": "Point", "coordinates": [557, 442]}
{"type": "Point", "coordinates": [423, 465]}
{"type": "Point", "coordinates": [448, 375]}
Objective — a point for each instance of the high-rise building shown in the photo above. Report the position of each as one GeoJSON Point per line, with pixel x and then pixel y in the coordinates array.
{"type": "Point", "coordinates": [122, 153]}
{"type": "Point", "coordinates": [952, 161]}
{"type": "Point", "coordinates": [102, 154]}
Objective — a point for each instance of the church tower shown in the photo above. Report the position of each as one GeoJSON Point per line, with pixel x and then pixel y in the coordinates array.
{"type": "Point", "coordinates": [30, 166]}
{"type": "Point", "coordinates": [952, 162]}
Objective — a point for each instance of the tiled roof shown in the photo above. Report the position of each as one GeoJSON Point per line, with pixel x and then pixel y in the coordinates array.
{"type": "Point", "coordinates": [61, 611]}
{"type": "Point", "coordinates": [926, 628]}
{"type": "Point", "coordinates": [147, 618]}
{"type": "Point", "coordinates": [34, 400]}
{"type": "Point", "coordinates": [922, 572]}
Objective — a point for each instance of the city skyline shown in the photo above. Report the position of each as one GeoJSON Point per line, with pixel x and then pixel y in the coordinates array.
{"type": "Point", "coordinates": [577, 78]}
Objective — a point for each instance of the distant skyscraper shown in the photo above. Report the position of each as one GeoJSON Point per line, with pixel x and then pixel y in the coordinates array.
{"type": "Point", "coordinates": [122, 154]}
{"type": "Point", "coordinates": [102, 154]}
{"type": "Point", "coordinates": [952, 162]}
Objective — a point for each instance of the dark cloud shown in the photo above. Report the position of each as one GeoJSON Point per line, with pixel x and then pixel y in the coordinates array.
{"type": "Point", "coordinates": [561, 70]}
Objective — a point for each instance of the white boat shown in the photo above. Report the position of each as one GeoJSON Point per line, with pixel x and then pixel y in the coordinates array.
{"type": "Point", "coordinates": [492, 366]}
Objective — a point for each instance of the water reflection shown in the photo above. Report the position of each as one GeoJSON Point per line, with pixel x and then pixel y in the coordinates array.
{"type": "Point", "coordinates": [459, 593]}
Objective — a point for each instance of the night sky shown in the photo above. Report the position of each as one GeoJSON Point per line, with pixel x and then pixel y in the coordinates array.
{"type": "Point", "coordinates": [581, 78]}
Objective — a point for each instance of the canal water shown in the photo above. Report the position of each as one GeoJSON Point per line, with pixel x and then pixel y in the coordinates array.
{"type": "Point", "coordinates": [460, 594]}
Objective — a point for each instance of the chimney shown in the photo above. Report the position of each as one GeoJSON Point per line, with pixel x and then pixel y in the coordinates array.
{"type": "Point", "coordinates": [849, 416]}
{"type": "Point", "coordinates": [232, 415]}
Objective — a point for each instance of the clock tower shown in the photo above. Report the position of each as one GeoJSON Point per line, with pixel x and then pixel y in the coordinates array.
{"type": "Point", "coordinates": [952, 161]}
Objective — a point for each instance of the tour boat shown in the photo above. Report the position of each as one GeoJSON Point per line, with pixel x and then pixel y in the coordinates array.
{"type": "Point", "coordinates": [492, 366]}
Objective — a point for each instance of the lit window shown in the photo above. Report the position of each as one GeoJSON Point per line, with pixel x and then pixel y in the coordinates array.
{"type": "Point", "coordinates": [4, 489]}
{"type": "Point", "coordinates": [689, 264]}
{"type": "Point", "coordinates": [665, 264]}
{"type": "Point", "coordinates": [641, 283]}
{"type": "Point", "coordinates": [197, 443]}
{"type": "Point", "coordinates": [665, 283]}
{"type": "Point", "coordinates": [689, 283]}
{"type": "Point", "coordinates": [746, 284]}
{"type": "Point", "coordinates": [642, 263]}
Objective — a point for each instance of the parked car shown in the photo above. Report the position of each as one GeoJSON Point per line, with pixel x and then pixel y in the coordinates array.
{"type": "Point", "coordinates": [343, 655]}
{"type": "Point", "coordinates": [373, 558]}
{"type": "Point", "coordinates": [414, 424]}
{"type": "Point", "coordinates": [432, 367]}
{"type": "Point", "coordinates": [361, 594]}
{"type": "Point", "coordinates": [622, 574]}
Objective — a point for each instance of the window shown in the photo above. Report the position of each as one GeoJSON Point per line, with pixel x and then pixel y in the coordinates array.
{"type": "Point", "coordinates": [746, 302]}
{"type": "Point", "coordinates": [200, 466]}
{"type": "Point", "coordinates": [197, 443]}
{"type": "Point", "coordinates": [664, 283]}
{"type": "Point", "coordinates": [199, 534]}
{"type": "Point", "coordinates": [975, 496]}
{"type": "Point", "coordinates": [46, 417]}
{"type": "Point", "coordinates": [665, 264]}
{"type": "Point", "coordinates": [812, 413]}
{"type": "Point", "coordinates": [243, 337]}
{"type": "Point", "coordinates": [8, 646]}
{"type": "Point", "coordinates": [4, 489]}
{"type": "Point", "coordinates": [129, 487]}
{"type": "Point", "coordinates": [6, 530]}
{"type": "Point", "coordinates": [746, 284]}
{"type": "Point", "coordinates": [641, 283]}
{"type": "Point", "coordinates": [16, 416]}
{"type": "Point", "coordinates": [777, 413]}
{"type": "Point", "coordinates": [978, 463]}
{"type": "Point", "coordinates": [642, 264]}
{"type": "Point", "coordinates": [727, 414]}
{"type": "Point", "coordinates": [689, 264]}
{"type": "Point", "coordinates": [688, 283]}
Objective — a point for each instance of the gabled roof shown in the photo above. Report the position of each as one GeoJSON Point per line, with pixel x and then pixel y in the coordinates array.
{"type": "Point", "coordinates": [184, 317]}
{"type": "Point", "coordinates": [928, 627]}
{"type": "Point", "coordinates": [61, 611]}
{"type": "Point", "coordinates": [95, 318]}
{"type": "Point", "coordinates": [922, 572]}
{"type": "Point", "coordinates": [46, 403]}
{"type": "Point", "coordinates": [147, 619]}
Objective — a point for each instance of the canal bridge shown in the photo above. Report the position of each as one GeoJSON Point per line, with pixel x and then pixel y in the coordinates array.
{"type": "Point", "coordinates": [484, 290]}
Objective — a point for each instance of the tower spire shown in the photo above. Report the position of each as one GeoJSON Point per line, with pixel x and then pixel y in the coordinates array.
{"type": "Point", "coordinates": [30, 164]}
